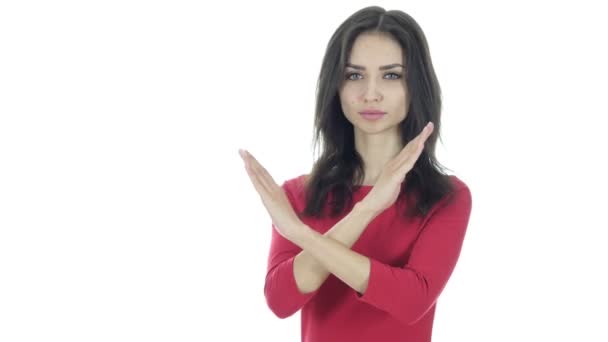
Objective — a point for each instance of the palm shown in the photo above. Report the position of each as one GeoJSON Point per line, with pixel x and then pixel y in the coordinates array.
{"type": "Point", "coordinates": [388, 186]}
{"type": "Point", "coordinates": [272, 195]}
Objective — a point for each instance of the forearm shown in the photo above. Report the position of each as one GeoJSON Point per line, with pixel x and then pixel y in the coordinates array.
{"type": "Point", "coordinates": [309, 273]}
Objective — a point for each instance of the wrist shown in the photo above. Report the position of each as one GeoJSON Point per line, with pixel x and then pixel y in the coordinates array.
{"type": "Point", "coordinates": [364, 211]}
{"type": "Point", "coordinates": [298, 232]}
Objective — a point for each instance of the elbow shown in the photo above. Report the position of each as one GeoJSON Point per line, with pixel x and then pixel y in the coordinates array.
{"type": "Point", "coordinates": [282, 314]}
{"type": "Point", "coordinates": [414, 313]}
{"type": "Point", "coordinates": [278, 302]}
{"type": "Point", "coordinates": [415, 307]}
{"type": "Point", "coordinates": [278, 307]}
{"type": "Point", "coordinates": [421, 304]}
{"type": "Point", "coordinates": [281, 293]}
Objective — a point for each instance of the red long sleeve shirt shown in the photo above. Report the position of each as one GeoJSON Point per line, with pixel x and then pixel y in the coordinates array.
{"type": "Point", "coordinates": [411, 262]}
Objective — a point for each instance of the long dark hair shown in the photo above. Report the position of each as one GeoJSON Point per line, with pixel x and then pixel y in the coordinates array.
{"type": "Point", "coordinates": [339, 169]}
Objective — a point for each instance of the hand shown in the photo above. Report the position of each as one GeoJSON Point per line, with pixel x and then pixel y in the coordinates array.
{"type": "Point", "coordinates": [274, 198]}
{"type": "Point", "coordinates": [387, 187]}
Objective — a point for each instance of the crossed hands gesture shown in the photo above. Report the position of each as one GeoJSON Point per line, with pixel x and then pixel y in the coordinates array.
{"type": "Point", "coordinates": [383, 194]}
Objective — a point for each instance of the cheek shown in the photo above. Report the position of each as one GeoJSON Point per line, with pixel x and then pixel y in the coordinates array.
{"type": "Point", "coordinates": [400, 94]}
{"type": "Point", "coordinates": [348, 97]}
{"type": "Point", "coordinates": [353, 88]}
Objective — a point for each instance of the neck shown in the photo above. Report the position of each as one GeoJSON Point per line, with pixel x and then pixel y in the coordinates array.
{"type": "Point", "coordinates": [376, 150]}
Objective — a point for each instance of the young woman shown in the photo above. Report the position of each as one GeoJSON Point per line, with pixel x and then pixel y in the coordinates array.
{"type": "Point", "coordinates": [365, 243]}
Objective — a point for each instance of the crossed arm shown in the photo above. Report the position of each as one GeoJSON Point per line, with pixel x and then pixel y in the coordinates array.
{"type": "Point", "coordinates": [331, 252]}
{"type": "Point", "coordinates": [405, 292]}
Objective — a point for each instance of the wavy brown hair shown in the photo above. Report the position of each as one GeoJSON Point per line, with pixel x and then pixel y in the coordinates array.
{"type": "Point", "coordinates": [338, 171]}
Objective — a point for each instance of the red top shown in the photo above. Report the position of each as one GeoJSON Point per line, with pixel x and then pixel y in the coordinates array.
{"type": "Point", "coordinates": [411, 262]}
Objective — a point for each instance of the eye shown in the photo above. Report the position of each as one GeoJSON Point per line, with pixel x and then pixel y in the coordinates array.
{"type": "Point", "coordinates": [397, 76]}
{"type": "Point", "coordinates": [394, 75]}
{"type": "Point", "coordinates": [348, 75]}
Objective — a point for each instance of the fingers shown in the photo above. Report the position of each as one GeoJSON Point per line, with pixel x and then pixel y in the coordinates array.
{"type": "Point", "coordinates": [262, 173]}
{"type": "Point", "coordinates": [425, 133]}
{"type": "Point", "coordinates": [414, 148]}
{"type": "Point", "coordinates": [258, 172]}
{"type": "Point", "coordinates": [251, 172]}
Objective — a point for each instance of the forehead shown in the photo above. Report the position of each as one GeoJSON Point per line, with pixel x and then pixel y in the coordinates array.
{"type": "Point", "coordinates": [375, 49]}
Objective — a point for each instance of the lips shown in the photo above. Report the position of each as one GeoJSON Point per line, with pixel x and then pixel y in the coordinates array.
{"type": "Point", "coordinates": [368, 116]}
{"type": "Point", "coordinates": [372, 112]}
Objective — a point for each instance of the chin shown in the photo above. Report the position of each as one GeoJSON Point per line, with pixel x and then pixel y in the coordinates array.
{"type": "Point", "coordinates": [369, 129]}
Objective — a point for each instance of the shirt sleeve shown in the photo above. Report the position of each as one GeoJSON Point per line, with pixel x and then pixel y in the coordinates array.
{"type": "Point", "coordinates": [280, 289]}
{"type": "Point", "coordinates": [408, 292]}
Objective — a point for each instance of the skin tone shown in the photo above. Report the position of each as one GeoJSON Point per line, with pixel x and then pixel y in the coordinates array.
{"type": "Point", "coordinates": [347, 265]}
{"type": "Point", "coordinates": [378, 143]}
{"type": "Point", "coordinates": [374, 79]}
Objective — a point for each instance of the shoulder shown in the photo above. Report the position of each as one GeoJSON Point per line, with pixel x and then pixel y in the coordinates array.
{"type": "Point", "coordinates": [455, 203]}
{"type": "Point", "coordinates": [459, 199]}
{"type": "Point", "coordinates": [459, 184]}
{"type": "Point", "coordinates": [295, 183]}
{"type": "Point", "coordinates": [295, 188]}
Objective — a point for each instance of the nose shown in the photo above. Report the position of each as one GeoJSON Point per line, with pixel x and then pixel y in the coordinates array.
{"type": "Point", "coordinates": [372, 93]}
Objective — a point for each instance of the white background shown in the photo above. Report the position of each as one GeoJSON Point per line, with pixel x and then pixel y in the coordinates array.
{"type": "Point", "coordinates": [126, 213]}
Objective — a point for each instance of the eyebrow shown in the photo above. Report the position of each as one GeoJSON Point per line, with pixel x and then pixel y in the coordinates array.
{"type": "Point", "coordinates": [384, 67]}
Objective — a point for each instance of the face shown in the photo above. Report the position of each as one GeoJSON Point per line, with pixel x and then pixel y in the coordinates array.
{"type": "Point", "coordinates": [374, 79]}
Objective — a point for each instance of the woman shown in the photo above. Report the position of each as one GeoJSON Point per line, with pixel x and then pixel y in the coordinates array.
{"type": "Point", "coordinates": [366, 242]}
